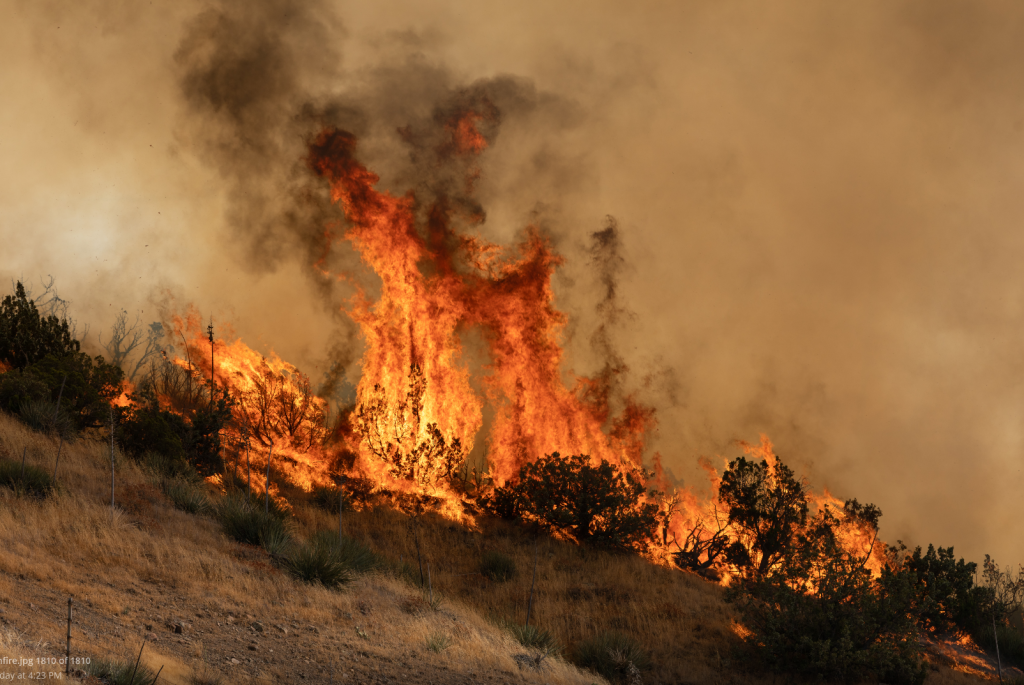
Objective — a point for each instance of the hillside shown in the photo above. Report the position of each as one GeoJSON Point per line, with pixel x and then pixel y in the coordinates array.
{"type": "Point", "coordinates": [146, 571]}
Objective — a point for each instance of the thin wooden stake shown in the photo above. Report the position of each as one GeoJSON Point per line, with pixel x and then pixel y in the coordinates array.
{"type": "Point", "coordinates": [995, 634]}
{"type": "Point", "coordinates": [419, 559]}
{"type": "Point", "coordinates": [111, 464]}
{"type": "Point", "coordinates": [270, 455]}
{"type": "Point", "coordinates": [137, 660]}
{"type": "Point", "coordinates": [57, 463]}
{"type": "Point", "coordinates": [67, 653]}
{"type": "Point", "coordinates": [529, 603]}
{"type": "Point", "coordinates": [56, 413]}
{"type": "Point", "coordinates": [157, 676]}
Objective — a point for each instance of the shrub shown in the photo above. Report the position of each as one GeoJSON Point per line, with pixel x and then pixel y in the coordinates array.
{"type": "Point", "coordinates": [188, 497]}
{"type": "Point", "coordinates": [835, 623]}
{"type": "Point", "coordinates": [613, 655]}
{"type": "Point", "coordinates": [945, 595]}
{"type": "Point", "coordinates": [593, 504]}
{"type": "Point", "coordinates": [33, 481]}
{"type": "Point", "coordinates": [249, 524]}
{"type": "Point", "coordinates": [498, 567]}
{"type": "Point", "coordinates": [118, 672]}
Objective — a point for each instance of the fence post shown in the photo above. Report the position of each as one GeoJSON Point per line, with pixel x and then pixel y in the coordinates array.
{"type": "Point", "coordinates": [270, 455]}
{"type": "Point", "coordinates": [529, 603]}
{"type": "Point", "coordinates": [137, 660]}
{"type": "Point", "coordinates": [67, 653]}
{"type": "Point", "coordinates": [111, 464]}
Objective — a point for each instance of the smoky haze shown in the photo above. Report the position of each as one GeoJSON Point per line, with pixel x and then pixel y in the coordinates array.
{"type": "Point", "coordinates": [816, 204]}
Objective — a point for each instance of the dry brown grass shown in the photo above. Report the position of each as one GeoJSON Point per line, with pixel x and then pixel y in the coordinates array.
{"type": "Point", "coordinates": [149, 561]}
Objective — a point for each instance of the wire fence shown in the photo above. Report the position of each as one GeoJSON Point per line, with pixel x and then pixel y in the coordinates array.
{"type": "Point", "coordinates": [63, 647]}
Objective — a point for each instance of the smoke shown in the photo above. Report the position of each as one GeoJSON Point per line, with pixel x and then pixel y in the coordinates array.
{"type": "Point", "coordinates": [816, 206]}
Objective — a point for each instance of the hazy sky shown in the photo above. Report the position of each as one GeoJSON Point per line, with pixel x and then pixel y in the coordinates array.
{"type": "Point", "coordinates": [819, 203]}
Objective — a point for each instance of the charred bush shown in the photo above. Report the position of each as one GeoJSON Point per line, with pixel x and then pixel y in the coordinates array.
{"type": "Point", "coordinates": [601, 505]}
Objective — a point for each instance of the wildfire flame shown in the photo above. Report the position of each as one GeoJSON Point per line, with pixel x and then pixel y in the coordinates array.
{"type": "Point", "coordinates": [418, 417]}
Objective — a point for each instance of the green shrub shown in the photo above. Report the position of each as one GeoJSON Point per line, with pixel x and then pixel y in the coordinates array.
{"type": "Point", "coordinates": [118, 672]}
{"type": "Point", "coordinates": [34, 481]}
{"type": "Point", "coordinates": [250, 524]}
{"type": "Point", "coordinates": [600, 504]}
{"type": "Point", "coordinates": [611, 654]}
{"type": "Point", "coordinates": [498, 567]}
{"type": "Point", "coordinates": [188, 497]}
{"type": "Point", "coordinates": [533, 637]}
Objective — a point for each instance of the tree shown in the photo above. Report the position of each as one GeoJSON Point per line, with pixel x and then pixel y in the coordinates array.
{"type": "Point", "coordinates": [126, 338]}
{"type": "Point", "coordinates": [599, 504]}
{"type": "Point", "coordinates": [26, 336]}
{"type": "Point", "coordinates": [767, 508]}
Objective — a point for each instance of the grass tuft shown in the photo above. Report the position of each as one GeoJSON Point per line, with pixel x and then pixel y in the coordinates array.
{"type": "Point", "coordinates": [326, 498]}
{"type": "Point", "coordinates": [117, 672]}
{"type": "Point", "coordinates": [188, 497]}
{"type": "Point", "coordinates": [611, 654]}
{"type": "Point", "coordinates": [329, 561]}
{"type": "Point", "coordinates": [249, 524]}
{"type": "Point", "coordinates": [498, 567]}
{"type": "Point", "coordinates": [34, 481]}
{"type": "Point", "coordinates": [533, 637]}
{"type": "Point", "coordinates": [438, 642]}
{"type": "Point", "coordinates": [318, 561]}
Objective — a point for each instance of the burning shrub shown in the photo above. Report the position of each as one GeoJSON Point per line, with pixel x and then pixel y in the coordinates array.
{"type": "Point", "coordinates": [394, 435]}
{"type": "Point", "coordinates": [767, 509]}
{"type": "Point", "coordinates": [599, 504]}
{"type": "Point", "coordinates": [946, 598]}
{"type": "Point", "coordinates": [817, 610]}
